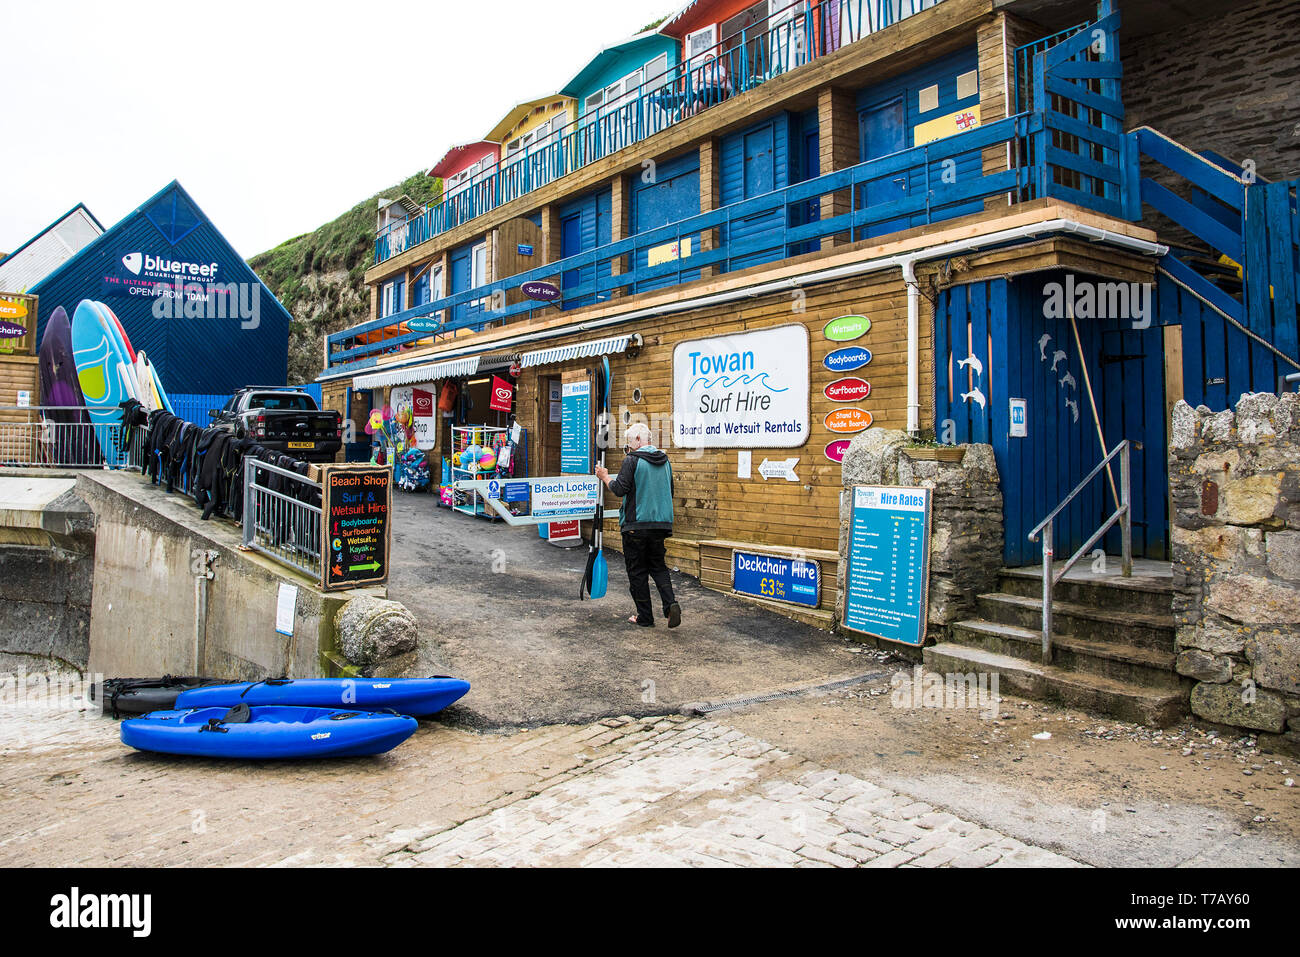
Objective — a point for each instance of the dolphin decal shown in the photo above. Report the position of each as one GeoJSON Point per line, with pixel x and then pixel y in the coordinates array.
{"type": "Point", "coordinates": [976, 396]}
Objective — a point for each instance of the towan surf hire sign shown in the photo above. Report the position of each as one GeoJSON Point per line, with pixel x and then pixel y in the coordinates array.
{"type": "Point", "coordinates": [748, 390]}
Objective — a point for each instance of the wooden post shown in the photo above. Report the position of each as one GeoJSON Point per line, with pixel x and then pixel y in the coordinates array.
{"type": "Point", "coordinates": [618, 222]}
{"type": "Point", "coordinates": [839, 146]}
{"type": "Point", "coordinates": [710, 197]}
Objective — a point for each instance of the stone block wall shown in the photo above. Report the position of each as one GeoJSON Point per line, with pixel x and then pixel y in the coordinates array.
{"type": "Point", "coordinates": [966, 519]}
{"type": "Point", "coordinates": [1235, 480]}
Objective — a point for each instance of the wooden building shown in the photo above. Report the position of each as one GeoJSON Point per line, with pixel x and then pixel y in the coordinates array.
{"type": "Point", "coordinates": [956, 171]}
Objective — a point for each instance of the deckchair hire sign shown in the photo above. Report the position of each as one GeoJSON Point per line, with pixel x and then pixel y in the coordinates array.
{"type": "Point", "coordinates": [538, 501]}
{"type": "Point", "coordinates": [356, 504]}
{"type": "Point", "coordinates": [748, 390]}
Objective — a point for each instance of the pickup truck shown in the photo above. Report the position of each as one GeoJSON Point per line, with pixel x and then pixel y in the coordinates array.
{"type": "Point", "coordinates": [283, 419]}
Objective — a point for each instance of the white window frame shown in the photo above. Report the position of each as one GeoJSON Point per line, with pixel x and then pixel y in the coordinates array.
{"type": "Point", "coordinates": [709, 33]}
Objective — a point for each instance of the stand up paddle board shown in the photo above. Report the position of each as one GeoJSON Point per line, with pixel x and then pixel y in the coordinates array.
{"type": "Point", "coordinates": [413, 696]}
{"type": "Point", "coordinates": [59, 387]}
{"type": "Point", "coordinates": [267, 733]}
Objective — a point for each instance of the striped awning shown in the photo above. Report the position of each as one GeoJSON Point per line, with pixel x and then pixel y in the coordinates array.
{"type": "Point", "coordinates": [429, 372]}
{"type": "Point", "coordinates": [577, 350]}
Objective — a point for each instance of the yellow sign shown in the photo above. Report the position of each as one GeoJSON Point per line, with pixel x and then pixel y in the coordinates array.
{"type": "Point", "coordinates": [963, 121]}
{"type": "Point", "coordinates": [10, 309]}
{"type": "Point", "coordinates": [668, 252]}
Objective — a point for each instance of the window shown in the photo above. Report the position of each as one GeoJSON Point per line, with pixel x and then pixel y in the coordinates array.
{"type": "Point", "coordinates": [478, 266]}
{"type": "Point", "coordinates": [392, 298]}
{"type": "Point", "coordinates": [655, 69]}
{"type": "Point", "coordinates": [701, 41]}
{"type": "Point", "coordinates": [595, 100]}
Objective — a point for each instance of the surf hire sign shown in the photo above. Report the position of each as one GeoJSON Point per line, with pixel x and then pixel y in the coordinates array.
{"type": "Point", "coordinates": [747, 390]}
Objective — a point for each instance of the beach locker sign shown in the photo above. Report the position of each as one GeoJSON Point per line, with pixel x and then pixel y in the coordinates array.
{"type": "Point", "coordinates": [747, 390]}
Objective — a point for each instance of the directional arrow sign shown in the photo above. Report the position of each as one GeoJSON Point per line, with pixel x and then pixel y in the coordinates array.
{"type": "Point", "coordinates": [368, 567]}
{"type": "Point", "coordinates": [782, 468]}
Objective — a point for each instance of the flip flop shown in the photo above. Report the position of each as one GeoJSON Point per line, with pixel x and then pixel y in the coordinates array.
{"type": "Point", "coordinates": [674, 615]}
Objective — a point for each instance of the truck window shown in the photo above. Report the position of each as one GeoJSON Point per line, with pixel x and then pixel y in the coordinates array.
{"type": "Point", "coordinates": [288, 401]}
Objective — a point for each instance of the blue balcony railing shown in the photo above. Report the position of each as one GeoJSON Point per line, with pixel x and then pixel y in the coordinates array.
{"type": "Point", "coordinates": [796, 34]}
{"type": "Point", "coordinates": [1069, 146]}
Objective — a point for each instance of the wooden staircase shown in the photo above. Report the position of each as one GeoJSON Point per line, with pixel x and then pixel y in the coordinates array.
{"type": "Point", "coordinates": [1113, 642]}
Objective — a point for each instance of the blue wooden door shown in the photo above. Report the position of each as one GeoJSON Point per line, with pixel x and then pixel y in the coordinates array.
{"type": "Point", "coordinates": [570, 245]}
{"type": "Point", "coordinates": [995, 341]}
{"type": "Point", "coordinates": [884, 131]}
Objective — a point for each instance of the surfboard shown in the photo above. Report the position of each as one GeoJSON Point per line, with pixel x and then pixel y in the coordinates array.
{"type": "Point", "coordinates": [158, 387]}
{"type": "Point", "coordinates": [148, 398]}
{"type": "Point", "coordinates": [74, 443]}
{"type": "Point", "coordinates": [102, 374]}
{"type": "Point", "coordinates": [114, 327]}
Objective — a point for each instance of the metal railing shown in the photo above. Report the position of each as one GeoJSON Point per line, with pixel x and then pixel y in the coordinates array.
{"type": "Point", "coordinates": [60, 437]}
{"type": "Point", "coordinates": [793, 35]}
{"type": "Point", "coordinates": [282, 516]}
{"type": "Point", "coordinates": [588, 276]}
{"type": "Point", "coordinates": [1122, 514]}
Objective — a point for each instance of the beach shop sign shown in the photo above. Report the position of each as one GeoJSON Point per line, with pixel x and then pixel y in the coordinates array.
{"type": "Point", "coordinates": [748, 390]}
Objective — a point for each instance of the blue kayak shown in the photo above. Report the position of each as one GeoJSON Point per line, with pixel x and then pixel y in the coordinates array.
{"type": "Point", "coordinates": [413, 696]}
{"type": "Point", "coordinates": [270, 732]}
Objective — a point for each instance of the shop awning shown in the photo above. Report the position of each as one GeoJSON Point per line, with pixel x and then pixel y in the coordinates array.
{"type": "Point", "coordinates": [578, 350]}
{"type": "Point", "coordinates": [430, 372]}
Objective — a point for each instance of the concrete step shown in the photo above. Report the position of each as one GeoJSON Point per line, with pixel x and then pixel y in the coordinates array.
{"type": "Point", "coordinates": [1132, 664]}
{"type": "Point", "coordinates": [1150, 593]}
{"type": "Point", "coordinates": [1089, 621]}
{"type": "Point", "coordinates": [1093, 693]}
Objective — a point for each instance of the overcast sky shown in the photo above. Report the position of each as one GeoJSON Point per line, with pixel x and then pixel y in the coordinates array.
{"type": "Point", "coordinates": [277, 116]}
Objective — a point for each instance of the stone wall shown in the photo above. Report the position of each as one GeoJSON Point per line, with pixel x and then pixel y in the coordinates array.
{"type": "Point", "coordinates": [966, 519]}
{"type": "Point", "coordinates": [1236, 95]}
{"type": "Point", "coordinates": [1235, 479]}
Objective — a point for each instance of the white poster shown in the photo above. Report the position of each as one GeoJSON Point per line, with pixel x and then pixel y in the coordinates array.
{"type": "Point", "coordinates": [403, 400]}
{"type": "Point", "coordinates": [744, 390]}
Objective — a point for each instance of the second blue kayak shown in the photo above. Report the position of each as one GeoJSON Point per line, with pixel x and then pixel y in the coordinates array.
{"type": "Point", "coordinates": [267, 733]}
{"type": "Point", "coordinates": [417, 697]}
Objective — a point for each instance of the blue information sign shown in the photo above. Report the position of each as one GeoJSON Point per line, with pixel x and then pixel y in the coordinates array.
{"type": "Point", "coordinates": [777, 577]}
{"type": "Point", "coordinates": [889, 563]}
{"type": "Point", "coordinates": [514, 492]}
{"type": "Point", "coordinates": [575, 428]}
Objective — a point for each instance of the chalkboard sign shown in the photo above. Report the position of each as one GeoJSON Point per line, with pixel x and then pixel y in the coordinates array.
{"type": "Point", "coordinates": [356, 503]}
{"type": "Point", "coordinates": [885, 587]}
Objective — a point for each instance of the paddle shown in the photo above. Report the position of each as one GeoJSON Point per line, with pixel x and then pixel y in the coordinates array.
{"type": "Point", "coordinates": [595, 579]}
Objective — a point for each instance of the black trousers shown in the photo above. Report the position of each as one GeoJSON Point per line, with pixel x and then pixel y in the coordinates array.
{"type": "Point", "coordinates": [644, 554]}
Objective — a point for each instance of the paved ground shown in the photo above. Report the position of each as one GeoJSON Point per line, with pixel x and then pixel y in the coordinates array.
{"type": "Point", "coordinates": [499, 607]}
{"type": "Point", "coordinates": [649, 791]}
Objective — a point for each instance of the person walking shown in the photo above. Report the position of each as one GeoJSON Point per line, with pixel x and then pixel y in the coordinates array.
{"type": "Point", "coordinates": [645, 484]}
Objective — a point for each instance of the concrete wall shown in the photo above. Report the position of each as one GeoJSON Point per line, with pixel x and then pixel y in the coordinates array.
{"type": "Point", "coordinates": [155, 612]}
{"type": "Point", "coordinates": [46, 565]}
{"type": "Point", "coordinates": [1235, 478]}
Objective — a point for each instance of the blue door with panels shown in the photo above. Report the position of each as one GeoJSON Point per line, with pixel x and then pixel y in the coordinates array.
{"type": "Point", "coordinates": [1001, 350]}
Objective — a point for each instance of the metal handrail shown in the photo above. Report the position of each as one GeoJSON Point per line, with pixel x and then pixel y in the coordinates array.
{"type": "Point", "coordinates": [279, 525]}
{"type": "Point", "coordinates": [1123, 514]}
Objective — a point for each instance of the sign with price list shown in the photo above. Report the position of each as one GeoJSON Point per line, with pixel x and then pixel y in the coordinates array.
{"type": "Point", "coordinates": [356, 502]}
{"type": "Point", "coordinates": [889, 563]}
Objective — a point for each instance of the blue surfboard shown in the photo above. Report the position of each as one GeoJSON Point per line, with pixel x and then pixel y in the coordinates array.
{"type": "Point", "coordinates": [101, 363]}
{"type": "Point", "coordinates": [413, 696]}
{"type": "Point", "coordinates": [268, 733]}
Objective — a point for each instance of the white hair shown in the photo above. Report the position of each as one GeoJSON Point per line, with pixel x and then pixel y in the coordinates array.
{"type": "Point", "coordinates": [637, 430]}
